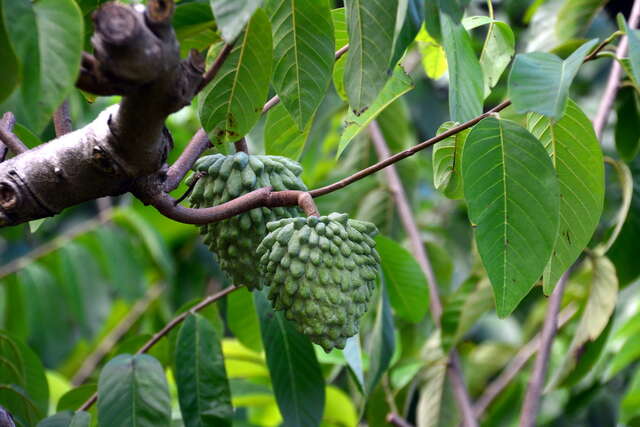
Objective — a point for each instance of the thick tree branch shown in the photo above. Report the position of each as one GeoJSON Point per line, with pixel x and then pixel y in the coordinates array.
{"type": "Point", "coordinates": [168, 328]}
{"type": "Point", "coordinates": [417, 247]}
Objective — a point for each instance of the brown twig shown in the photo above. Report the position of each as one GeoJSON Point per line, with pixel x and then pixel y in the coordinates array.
{"type": "Point", "coordinates": [211, 73]}
{"type": "Point", "coordinates": [105, 346]}
{"type": "Point", "coordinates": [516, 364]}
{"type": "Point", "coordinates": [531, 404]}
{"type": "Point", "coordinates": [7, 122]}
{"type": "Point", "coordinates": [613, 82]}
{"type": "Point", "coordinates": [167, 328]}
{"type": "Point", "coordinates": [8, 138]}
{"type": "Point", "coordinates": [397, 421]}
{"type": "Point", "coordinates": [198, 145]}
{"type": "Point", "coordinates": [417, 247]}
{"type": "Point", "coordinates": [62, 119]}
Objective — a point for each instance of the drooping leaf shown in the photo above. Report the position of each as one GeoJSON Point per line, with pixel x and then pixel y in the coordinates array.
{"type": "Point", "coordinates": [466, 87]}
{"type": "Point", "coordinates": [232, 103]}
{"type": "Point", "coordinates": [371, 26]}
{"type": "Point", "coordinates": [404, 280]}
{"type": "Point", "coordinates": [575, 16]}
{"type": "Point", "coordinates": [628, 115]}
{"type": "Point", "coordinates": [133, 391]}
{"type": "Point", "coordinates": [409, 28]}
{"type": "Point", "coordinates": [539, 82]}
{"type": "Point", "coordinates": [9, 72]}
{"type": "Point", "coordinates": [432, 378]}
{"type": "Point", "coordinates": [576, 154]}
{"type": "Point", "coordinates": [447, 157]}
{"type": "Point", "coordinates": [243, 320]}
{"type": "Point", "coordinates": [382, 344]}
{"type": "Point", "coordinates": [304, 49]}
{"type": "Point", "coordinates": [353, 355]}
{"type": "Point", "coordinates": [282, 136]}
{"type": "Point", "coordinates": [47, 37]}
{"type": "Point", "coordinates": [203, 388]}
{"type": "Point", "coordinates": [300, 397]}
{"type": "Point", "coordinates": [496, 55]}
{"type": "Point", "coordinates": [434, 60]}
{"type": "Point", "coordinates": [513, 199]}
{"type": "Point", "coordinates": [399, 84]}
{"type": "Point", "coordinates": [625, 181]}
{"type": "Point", "coordinates": [597, 312]}
{"type": "Point", "coordinates": [232, 16]}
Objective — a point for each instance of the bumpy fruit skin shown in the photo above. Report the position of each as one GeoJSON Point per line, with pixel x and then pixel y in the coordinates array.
{"type": "Point", "coordinates": [322, 273]}
{"type": "Point", "coordinates": [234, 241]}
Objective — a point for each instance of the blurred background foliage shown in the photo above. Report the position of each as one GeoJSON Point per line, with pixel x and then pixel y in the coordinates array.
{"type": "Point", "coordinates": [101, 278]}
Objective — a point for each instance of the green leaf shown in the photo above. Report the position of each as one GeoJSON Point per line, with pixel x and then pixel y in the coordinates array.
{"type": "Point", "coordinates": [232, 16]}
{"type": "Point", "coordinates": [453, 310]}
{"type": "Point", "coordinates": [133, 391]}
{"type": "Point", "coordinates": [627, 354]}
{"type": "Point", "coordinates": [576, 16]}
{"type": "Point", "coordinates": [623, 253]}
{"type": "Point", "coordinates": [67, 419]}
{"type": "Point", "coordinates": [628, 115]}
{"type": "Point", "coordinates": [434, 60]}
{"type": "Point", "coordinates": [232, 103]}
{"type": "Point", "coordinates": [432, 377]}
{"type": "Point", "coordinates": [47, 37]}
{"type": "Point", "coordinates": [304, 50]}
{"type": "Point", "coordinates": [407, 30]}
{"type": "Point", "coordinates": [447, 156]}
{"type": "Point", "coordinates": [19, 405]}
{"type": "Point", "coordinates": [342, 39]}
{"type": "Point", "coordinates": [404, 280]}
{"type": "Point", "coordinates": [295, 373]}
{"type": "Point", "coordinates": [242, 319]}
{"type": "Point", "coordinates": [598, 310]}
{"type": "Point", "coordinates": [282, 136]}
{"type": "Point", "coordinates": [513, 199]}
{"type": "Point", "coordinates": [194, 26]}
{"type": "Point", "coordinates": [576, 154]}
{"type": "Point", "coordinates": [371, 25]}
{"type": "Point", "coordinates": [75, 397]}
{"type": "Point", "coordinates": [353, 355]}
{"type": "Point", "coordinates": [466, 91]}
{"type": "Point", "coordinates": [625, 180]}
{"type": "Point", "coordinates": [539, 82]}
{"type": "Point", "coordinates": [382, 344]}
{"type": "Point", "coordinates": [496, 55]}
{"type": "Point", "coordinates": [399, 84]}
{"type": "Point", "coordinates": [9, 72]}
{"type": "Point", "coordinates": [203, 388]}
{"type": "Point", "coordinates": [634, 51]}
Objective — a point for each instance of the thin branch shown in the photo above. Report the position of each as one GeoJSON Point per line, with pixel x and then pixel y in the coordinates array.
{"type": "Point", "coordinates": [62, 119]}
{"type": "Point", "coordinates": [7, 122]}
{"type": "Point", "coordinates": [613, 83]}
{"type": "Point", "coordinates": [105, 346]}
{"type": "Point", "coordinates": [168, 328]}
{"type": "Point", "coordinates": [397, 421]}
{"type": "Point", "coordinates": [211, 73]}
{"type": "Point", "coordinates": [531, 404]}
{"type": "Point", "coordinates": [418, 249]}
{"type": "Point", "coordinates": [516, 364]}
{"type": "Point", "coordinates": [8, 138]}
{"type": "Point", "coordinates": [198, 145]}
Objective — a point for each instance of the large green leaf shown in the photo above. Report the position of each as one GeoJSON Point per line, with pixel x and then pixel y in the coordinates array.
{"type": "Point", "coordinates": [371, 25]}
{"type": "Point", "coordinates": [243, 320]}
{"type": "Point", "coordinates": [399, 84]}
{"type": "Point", "coordinates": [466, 84]}
{"type": "Point", "coordinates": [513, 197]}
{"type": "Point", "coordinates": [232, 16]}
{"type": "Point", "coordinates": [628, 115]}
{"type": "Point", "coordinates": [282, 136]}
{"type": "Point", "coordinates": [576, 154]}
{"type": "Point", "coordinates": [539, 82]}
{"type": "Point", "coordinates": [295, 373]}
{"type": "Point", "coordinates": [497, 52]}
{"type": "Point", "coordinates": [203, 388]}
{"type": "Point", "coordinates": [382, 344]}
{"type": "Point", "coordinates": [304, 49]}
{"type": "Point", "coordinates": [404, 280]}
{"type": "Point", "coordinates": [67, 419]}
{"type": "Point", "coordinates": [47, 37]}
{"type": "Point", "coordinates": [447, 156]}
{"type": "Point", "coordinates": [596, 315]}
{"type": "Point", "coordinates": [9, 72]}
{"type": "Point", "coordinates": [133, 391]}
{"type": "Point", "coordinates": [575, 16]}
{"type": "Point", "coordinates": [232, 103]}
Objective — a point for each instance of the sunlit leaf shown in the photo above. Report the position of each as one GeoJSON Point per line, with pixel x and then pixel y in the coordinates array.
{"type": "Point", "coordinates": [513, 196]}
{"type": "Point", "coordinates": [447, 157]}
{"type": "Point", "coordinates": [434, 60]}
{"type": "Point", "coordinates": [232, 16]}
{"type": "Point", "coordinates": [243, 320]}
